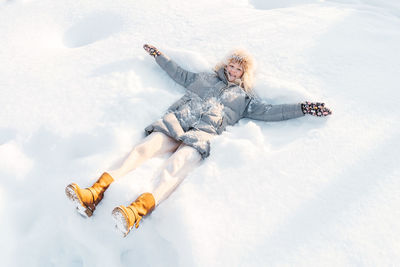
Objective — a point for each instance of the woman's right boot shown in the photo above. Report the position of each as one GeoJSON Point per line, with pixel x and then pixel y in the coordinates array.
{"type": "Point", "coordinates": [86, 199]}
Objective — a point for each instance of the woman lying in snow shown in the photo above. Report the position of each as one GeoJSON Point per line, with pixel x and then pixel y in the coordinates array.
{"type": "Point", "coordinates": [212, 101]}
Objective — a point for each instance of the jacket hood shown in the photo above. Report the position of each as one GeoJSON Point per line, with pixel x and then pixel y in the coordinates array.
{"type": "Point", "coordinates": [221, 74]}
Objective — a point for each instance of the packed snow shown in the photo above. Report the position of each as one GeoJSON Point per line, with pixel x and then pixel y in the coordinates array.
{"type": "Point", "coordinates": [77, 90]}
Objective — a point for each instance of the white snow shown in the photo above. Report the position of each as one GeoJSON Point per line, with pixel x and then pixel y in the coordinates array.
{"type": "Point", "coordinates": [77, 90]}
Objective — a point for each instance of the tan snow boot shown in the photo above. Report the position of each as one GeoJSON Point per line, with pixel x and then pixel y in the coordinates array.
{"type": "Point", "coordinates": [87, 199]}
{"type": "Point", "coordinates": [126, 217]}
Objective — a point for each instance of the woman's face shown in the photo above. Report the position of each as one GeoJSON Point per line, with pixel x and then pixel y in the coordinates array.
{"type": "Point", "coordinates": [234, 71]}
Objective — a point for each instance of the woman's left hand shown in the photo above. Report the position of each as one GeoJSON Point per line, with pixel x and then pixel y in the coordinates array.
{"type": "Point", "coordinates": [315, 109]}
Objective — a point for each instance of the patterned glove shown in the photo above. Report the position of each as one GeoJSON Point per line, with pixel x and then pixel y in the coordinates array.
{"type": "Point", "coordinates": [315, 109]}
{"type": "Point", "coordinates": [152, 50]}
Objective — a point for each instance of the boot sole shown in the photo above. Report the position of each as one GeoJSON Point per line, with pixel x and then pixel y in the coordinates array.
{"type": "Point", "coordinates": [121, 221]}
{"type": "Point", "coordinates": [72, 195]}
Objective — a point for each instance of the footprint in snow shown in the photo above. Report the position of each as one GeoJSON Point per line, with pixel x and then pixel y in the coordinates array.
{"type": "Point", "coordinates": [93, 28]}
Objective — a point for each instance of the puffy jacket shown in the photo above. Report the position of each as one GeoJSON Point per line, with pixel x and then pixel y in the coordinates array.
{"type": "Point", "coordinates": [211, 103]}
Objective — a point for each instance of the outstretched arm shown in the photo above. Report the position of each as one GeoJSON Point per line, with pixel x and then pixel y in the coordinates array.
{"type": "Point", "coordinates": [178, 74]}
{"type": "Point", "coordinates": [260, 110]}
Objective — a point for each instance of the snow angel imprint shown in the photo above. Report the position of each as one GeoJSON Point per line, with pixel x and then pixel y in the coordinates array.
{"type": "Point", "coordinates": [212, 101]}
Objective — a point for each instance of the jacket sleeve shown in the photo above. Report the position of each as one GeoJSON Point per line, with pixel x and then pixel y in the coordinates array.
{"type": "Point", "coordinates": [178, 74]}
{"type": "Point", "coordinates": [260, 110]}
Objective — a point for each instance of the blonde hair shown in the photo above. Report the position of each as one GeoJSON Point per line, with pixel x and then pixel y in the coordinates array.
{"type": "Point", "coordinates": [246, 61]}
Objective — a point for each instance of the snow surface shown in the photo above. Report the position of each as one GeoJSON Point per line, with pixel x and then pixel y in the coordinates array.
{"type": "Point", "coordinates": [77, 89]}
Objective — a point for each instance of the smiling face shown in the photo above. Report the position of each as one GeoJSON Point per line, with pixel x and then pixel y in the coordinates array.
{"type": "Point", "coordinates": [234, 71]}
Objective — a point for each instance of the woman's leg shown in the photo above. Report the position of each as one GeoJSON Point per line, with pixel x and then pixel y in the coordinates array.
{"type": "Point", "coordinates": [174, 171]}
{"type": "Point", "coordinates": [86, 199]}
{"type": "Point", "coordinates": [153, 145]}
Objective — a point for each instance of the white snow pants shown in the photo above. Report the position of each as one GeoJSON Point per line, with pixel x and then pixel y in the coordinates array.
{"type": "Point", "coordinates": [174, 170]}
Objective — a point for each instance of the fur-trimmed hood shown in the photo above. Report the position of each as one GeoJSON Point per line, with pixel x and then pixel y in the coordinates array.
{"type": "Point", "coordinates": [246, 60]}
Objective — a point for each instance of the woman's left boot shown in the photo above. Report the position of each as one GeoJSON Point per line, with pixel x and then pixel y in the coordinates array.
{"type": "Point", "coordinates": [127, 217]}
{"type": "Point", "coordinates": [87, 199]}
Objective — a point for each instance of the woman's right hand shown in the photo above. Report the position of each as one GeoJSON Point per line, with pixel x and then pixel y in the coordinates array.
{"type": "Point", "coordinates": [154, 52]}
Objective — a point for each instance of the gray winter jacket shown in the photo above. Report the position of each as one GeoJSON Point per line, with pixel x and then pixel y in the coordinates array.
{"type": "Point", "coordinates": [209, 105]}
